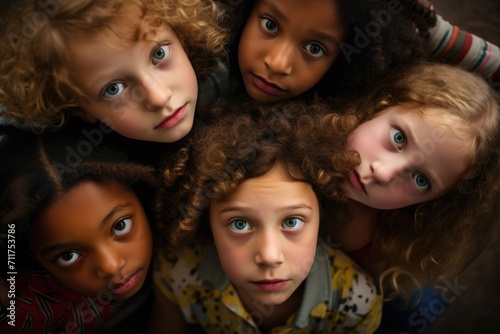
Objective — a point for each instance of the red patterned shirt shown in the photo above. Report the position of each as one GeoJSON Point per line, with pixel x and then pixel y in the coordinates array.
{"type": "Point", "coordinates": [44, 305]}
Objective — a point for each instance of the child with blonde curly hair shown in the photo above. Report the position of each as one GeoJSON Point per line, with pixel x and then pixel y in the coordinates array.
{"type": "Point", "coordinates": [421, 201]}
{"type": "Point", "coordinates": [253, 195]}
{"type": "Point", "coordinates": [130, 64]}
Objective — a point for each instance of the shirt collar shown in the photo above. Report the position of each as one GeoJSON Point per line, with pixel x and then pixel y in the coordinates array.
{"type": "Point", "coordinates": [318, 284]}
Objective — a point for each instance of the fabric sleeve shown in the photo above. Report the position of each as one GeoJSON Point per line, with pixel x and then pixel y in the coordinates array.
{"type": "Point", "coordinates": [162, 275]}
{"type": "Point", "coordinates": [360, 303]}
{"type": "Point", "coordinates": [452, 45]}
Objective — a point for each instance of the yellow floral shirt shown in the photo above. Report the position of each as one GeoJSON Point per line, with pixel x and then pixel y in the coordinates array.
{"type": "Point", "coordinates": [338, 297]}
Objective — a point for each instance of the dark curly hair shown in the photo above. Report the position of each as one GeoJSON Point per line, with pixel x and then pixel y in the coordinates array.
{"type": "Point", "coordinates": [244, 141]}
{"type": "Point", "coordinates": [36, 169]}
{"type": "Point", "coordinates": [396, 33]}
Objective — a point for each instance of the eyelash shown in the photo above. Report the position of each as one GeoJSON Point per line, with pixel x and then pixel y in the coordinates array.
{"type": "Point", "coordinates": [268, 20]}
{"type": "Point", "coordinates": [127, 227]}
{"type": "Point", "coordinates": [160, 46]}
{"type": "Point", "coordinates": [113, 231]}
{"type": "Point", "coordinates": [58, 256]}
{"type": "Point", "coordinates": [413, 174]}
{"type": "Point", "coordinates": [306, 46]}
{"type": "Point", "coordinates": [397, 129]}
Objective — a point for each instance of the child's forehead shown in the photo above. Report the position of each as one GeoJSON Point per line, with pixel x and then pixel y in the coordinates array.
{"type": "Point", "coordinates": [129, 25]}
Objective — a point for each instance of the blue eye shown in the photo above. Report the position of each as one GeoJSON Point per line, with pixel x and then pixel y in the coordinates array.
{"type": "Point", "coordinates": [269, 25]}
{"type": "Point", "coordinates": [113, 90]}
{"type": "Point", "coordinates": [240, 225]}
{"type": "Point", "coordinates": [421, 182]}
{"type": "Point", "coordinates": [398, 137]}
{"type": "Point", "coordinates": [160, 53]}
{"type": "Point", "coordinates": [68, 258]}
{"type": "Point", "coordinates": [123, 226]}
{"type": "Point", "coordinates": [315, 50]}
{"type": "Point", "coordinates": [293, 223]}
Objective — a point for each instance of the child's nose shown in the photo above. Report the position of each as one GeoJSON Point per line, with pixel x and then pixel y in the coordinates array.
{"type": "Point", "coordinates": [109, 262]}
{"type": "Point", "coordinates": [386, 171]}
{"type": "Point", "coordinates": [269, 253]}
{"type": "Point", "coordinates": [280, 58]}
{"type": "Point", "coordinates": [157, 93]}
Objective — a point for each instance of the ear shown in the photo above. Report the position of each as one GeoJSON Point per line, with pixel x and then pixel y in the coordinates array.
{"type": "Point", "coordinates": [79, 112]}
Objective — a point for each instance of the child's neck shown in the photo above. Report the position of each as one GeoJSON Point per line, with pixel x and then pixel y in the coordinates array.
{"type": "Point", "coordinates": [268, 317]}
{"type": "Point", "coordinates": [358, 232]}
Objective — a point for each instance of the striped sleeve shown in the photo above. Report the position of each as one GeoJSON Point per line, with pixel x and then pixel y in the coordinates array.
{"type": "Point", "coordinates": [451, 45]}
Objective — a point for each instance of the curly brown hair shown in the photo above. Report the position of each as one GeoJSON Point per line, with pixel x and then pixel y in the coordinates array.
{"type": "Point", "coordinates": [37, 84]}
{"type": "Point", "coordinates": [245, 141]}
{"type": "Point", "coordinates": [418, 244]}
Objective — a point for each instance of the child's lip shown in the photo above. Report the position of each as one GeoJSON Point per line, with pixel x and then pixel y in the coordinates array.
{"type": "Point", "coordinates": [271, 285]}
{"type": "Point", "coordinates": [172, 119]}
{"type": "Point", "coordinates": [126, 284]}
{"type": "Point", "coordinates": [356, 182]}
{"type": "Point", "coordinates": [267, 86]}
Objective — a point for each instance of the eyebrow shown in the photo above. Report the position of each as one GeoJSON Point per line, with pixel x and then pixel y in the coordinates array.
{"type": "Point", "coordinates": [57, 247]}
{"type": "Point", "coordinates": [284, 208]}
{"type": "Point", "coordinates": [113, 212]}
{"type": "Point", "coordinates": [267, 5]}
{"type": "Point", "coordinates": [327, 38]}
{"type": "Point", "coordinates": [106, 219]}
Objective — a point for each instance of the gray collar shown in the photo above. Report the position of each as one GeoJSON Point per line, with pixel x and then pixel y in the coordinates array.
{"type": "Point", "coordinates": [318, 284]}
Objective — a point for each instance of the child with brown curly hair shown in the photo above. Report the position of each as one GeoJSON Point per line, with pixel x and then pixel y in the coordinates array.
{"type": "Point", "coordinates": [130, 64]}
{"type": "Point", "coordinates": [253, 192]}
{"type": "Point", "coordinates": [419, 204]}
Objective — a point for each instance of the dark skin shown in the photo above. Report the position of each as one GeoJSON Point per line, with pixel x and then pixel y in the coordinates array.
{"type": "Point", "coordinates": [359, 65]}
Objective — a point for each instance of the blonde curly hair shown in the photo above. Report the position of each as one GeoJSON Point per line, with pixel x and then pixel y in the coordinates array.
{"type": "Point", "coordinates": [422, 243]}
{"type": "Point", "coordinates": [37, 84]}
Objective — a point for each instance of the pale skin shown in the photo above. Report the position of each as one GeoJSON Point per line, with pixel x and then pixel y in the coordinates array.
{"type": "Point", "coordinates": [287, 46]}
{"type": "Point", "coordinates": [145, 91]}
{"type": "Point", "coordinates": [405, 160]}
{"type": "Point", "coordinates": [265, 233]}
{"type": "Point", "coordinates": [96, 240]}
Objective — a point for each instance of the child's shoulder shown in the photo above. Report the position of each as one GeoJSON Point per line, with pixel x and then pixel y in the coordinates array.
{"type": "Point", "coordinates": [181, 264]}
{"type": "Point", "coordinates": [340, 260]}
{"type": "Point", "coordinates": [191, 254]}
{"type": "Point", "coordinates": [357, 290]}
{"type": "Point", "coordinates": [41, 300]}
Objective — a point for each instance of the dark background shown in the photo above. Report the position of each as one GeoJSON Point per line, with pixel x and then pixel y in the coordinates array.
{"type": "Point", "coordinates": [476, 308]}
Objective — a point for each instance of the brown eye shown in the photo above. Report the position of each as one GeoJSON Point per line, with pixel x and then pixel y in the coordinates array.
{"type": "Point", "coordinates": [122, 226]}
{"type": "Point", "coordinates": [269, 25]}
